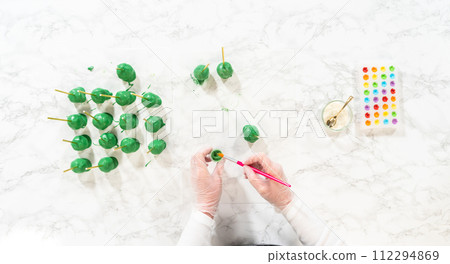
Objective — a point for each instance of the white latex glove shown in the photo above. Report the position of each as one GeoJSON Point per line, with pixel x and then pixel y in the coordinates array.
{"type": "Point", "coordinates": [208, 187]}
{"type": "Point", "coordinates": [275, 193]}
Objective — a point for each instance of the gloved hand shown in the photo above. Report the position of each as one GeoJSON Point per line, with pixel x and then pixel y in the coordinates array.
{"type": "Point", "coordinates": [276, 194]}
{"type": "Point", "coordinates": [208, 187]}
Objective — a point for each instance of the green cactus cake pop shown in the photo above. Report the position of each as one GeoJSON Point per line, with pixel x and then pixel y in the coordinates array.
{"type": "Point", "coordinates": [201, 73]}
{"type": "Point", "coordinates": [153, 124]}
{"type": "Point", "coordinates": [108, 164]}
{"type": "Point", "coordinates": [125, 72]}
{"type": "Point", "coordinates": [77, 121]}
{"type": "Point", "coordinates": [96, 95]}
{"type": "Point", "coordinates": [129, 145]}
{"type": "Point", "coordinates": [224, 69]}
{"type": "Point", "coordinates": [151, 100]}
{"type": "Point", "coordinates": [80, 165]}
{"type": "Point", "coordinates": [128, 121]}
{"type": "Point", "coordinates": [81, 143]}
{"type": "Point", "coordinates": [156, 146]}
{"type": "Point", "coordinates": [102, 120]}
{"type": "Point", "coordinates": [251, 133]}
{"type": "Point", "coordinates": [215, 155]}
{"type": "Point", "coordinates": [125, 98]}
{"type": "Point", "coordinates": [75, 96]}
{"type": "Point", "coordinates": [107, 140]}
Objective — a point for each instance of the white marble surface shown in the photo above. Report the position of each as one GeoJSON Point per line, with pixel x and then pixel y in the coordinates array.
{"type": "Point", "coordinates": [287, 55]}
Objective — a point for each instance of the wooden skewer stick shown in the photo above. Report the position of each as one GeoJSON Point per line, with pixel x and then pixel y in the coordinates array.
{"type": "Point", "coordinates": [205, 67]}
{"type": "Point", "coordinates": [149, 150]}
{"type": "Point", "coordinates": [70, 169]}
{"type": "Point", "coordinates": [145, 120]}
{"type": "Point", "coordinates": [59, 119]}
{"type": "Point", "coordinates": [86, 113]}
{"type": "Point", "coordinates": [85, 93]}
{"type": "Point", "coordinates": [120, 147]}
{"type": "Point", "coordinates": [68, 141]}
{"type": "Point", "coordinates": [223, 57]}
{"type": "Point", "coordinates": [138, 95]}
{"type": "Point", "coordinates": [119, 69]}
{"type": "Point", "coordinates": [107, 95]}
{"type": "Point", "coordinates": [63, 92]}
{"type": "Point", "coordinates": [93, 167]}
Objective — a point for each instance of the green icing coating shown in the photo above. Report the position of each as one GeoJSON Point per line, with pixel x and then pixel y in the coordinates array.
{"type": "Point", "coordinates": [77, 121]}
{"type": "Point", "coordinates": [125, 72]}
{"type": "Point", "coordinates": [108, 164]}
{"type": "Point", "coordinates": [96, 98]}
{"type": "Point", "coordinates": [225, 71]}
{"type": "Point", "coordinates": [201, 74]}
{"type": "Point", "coordinates": [151, 100]}
{"type": "Point", "coordinates": [81, 142]}
{"type": "Point", "coordinates": [154, 123]}
{"type": "Point", "coordinates": [131, 145]}
{"type": "Point", "coordinates": [128, 121]}
{"type": "Point", "coordinates": [125, 98]}
{"type": "Point", "coordinates": [107, 140]}
{"type": "Point", "coordinates": [102, 120]}
{"type": "Point", "coordinates": [80, 165]}
{"type": "Point", "coordinates": [91, 68]}
{"type": "Point", "coordinates": [157, 146]}
{"type": "Point", "coordinates": [76, 97]}
{"type": "Point", "coordinates": [214, 155]}
{"type": "Point", "coordinates": [251, 133]}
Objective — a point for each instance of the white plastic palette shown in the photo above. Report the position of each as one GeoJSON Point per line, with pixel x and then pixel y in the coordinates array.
{"type": "Point", "coordinates": [378, 89]}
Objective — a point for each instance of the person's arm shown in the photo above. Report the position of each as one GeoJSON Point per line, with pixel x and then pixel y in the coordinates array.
{"type": "Point", "coordinates": [309, 228]}
{"type": "Point", "coordinates": [208, 189]}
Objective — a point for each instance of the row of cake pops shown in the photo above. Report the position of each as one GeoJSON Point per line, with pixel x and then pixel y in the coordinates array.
{"type": "Point", "coordinates": [201, 72]}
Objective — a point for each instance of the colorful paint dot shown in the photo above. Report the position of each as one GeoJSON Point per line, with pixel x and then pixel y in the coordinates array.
{"type": "Point", "coordinates": [366, 100]}
{"type": "Point", "coordinates": [383, 76]}
{"type": "Point", "coordinates": [384, 99]}
{"type": "Point", "coordinates": [374, 69]}
{"type": "Point", "coordinates": [367, 108]}
{"type": "Point", "coordinates": [383, 91]}
{"type": "Point", "coordinates": [366, 85]}
{"type": "Point", "coordinates": [385, 113]}
{"type": "Point", "coordinates": [374, 76]}
{"type": "Point", "coordinates": [376, 114]}
{"type": "Point", "coordinates": [392, 83]}
{"type": "Point", "coordinates": [377, 122]}
{"type": "Point", "coordinates": [393, 98]}
{"type": "Point", "coordinates": [394, 114]}
{"type": "Point", "coordinates": [375, 91]}
{"type": "Point", "coordinates": [394, 121]}
{"type": "Point", "coordinates": [366, 77]}
{"type": "Point", "coordinates": [383, 83]}
{"type": "Point", "coordinates": [385, 106]}
{"type": "Point", "coordinates": [392, 76]}
{"type": "Point", "coordinates": [367, 123]}
{"type": "Point", "coordinates": [392, 68]}
{"type": "Point", "coordinates": [375, 85]}
{"type": "Point", "coordinates": [394, 106]}
{"type": "Point", "coordinates": [367, 115]}
{"type": "Point", "coordinates": [366, 92]}
{"type": "Point", "coordinates": [375, 99]}
{"type": "Point", "coordinates": [385, 121]}
{"type": "Point", "coordinates": [376, 107]}
{"type": "Point", "coordinates": [392, 91]}
{"type": "Point", "coordinates": [365, 69]}
{"type": "Point", "coordinates": [383, 68]}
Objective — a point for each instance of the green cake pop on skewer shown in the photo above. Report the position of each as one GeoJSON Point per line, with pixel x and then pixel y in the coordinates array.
{"type": "Point", "coordinates": [80, 143]}
{"type": "Point", "coordinates": [224, 69]}
{"type": "Point", "coordinates": [75, 96]}
{"type": "Point", "coordinates": [151, 100]}
{"type": "Point", "coordinates": [80, 165]}
{"type": "Point", "coordinates": [125, 72]}
{"type": "Point", "coordinates": [77, 121]}
{"type": "Point", "coordinates": [153, 124]}
{"type": "Point", "coordinates": [129, 145]}
{"type": "Point", "coordinates": [96, 95]}
{"type": "Point", "coordinates": [201, 73]}
{"type": "Point", "coordinates": [215, 155]}
{"type": "Point", "coordinates": [107, 140]}
{"type": "Point", "coordinates": [251, 133]}
{"type": "Point", "coordinates": [125, 98]}
{"type": "Point", "coordinates": [102, 120]}
{"type": "Point", "coordinates": [128, 121]}
{"type": "Point", "coordinates": [108, 164]}
{"type": "Point", "coordinates": [156, 146]}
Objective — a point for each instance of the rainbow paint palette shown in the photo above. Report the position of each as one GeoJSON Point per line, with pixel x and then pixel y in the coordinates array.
{"type": "Point", "coordinates": [378, 87]}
